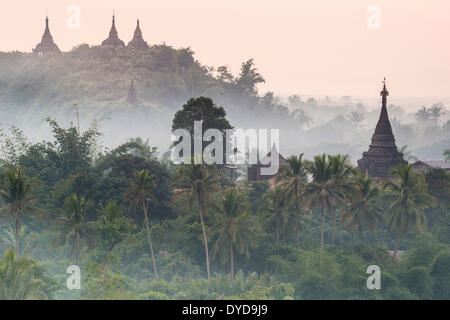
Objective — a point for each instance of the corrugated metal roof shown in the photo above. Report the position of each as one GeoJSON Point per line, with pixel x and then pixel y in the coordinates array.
{"type": "Point", "coordinates": [435, 163]}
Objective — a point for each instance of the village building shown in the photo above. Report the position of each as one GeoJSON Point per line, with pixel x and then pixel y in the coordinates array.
{"type": "Point", "coordinates": [254, 171]}
{"type": "Point", "coordinates": [423, 165]}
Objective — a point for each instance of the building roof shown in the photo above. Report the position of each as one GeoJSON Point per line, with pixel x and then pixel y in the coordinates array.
{"type": "Point", "coordinates": [266, 160]}
{"type": "Point", "coordinates": [434, 163]}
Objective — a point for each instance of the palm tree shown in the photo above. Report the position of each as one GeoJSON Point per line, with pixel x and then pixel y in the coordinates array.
{"type": "Point", "coordinates": [16, 193]}
{"type": "Point", "coordinates": [27, 240]}
{"type": "Point", "coordinates": [72, 223]}
{"type": "Point", "coordinates": [356, 117]}
{"type": "Point", "coordinates": [407, 154]}
{"type": "Point", "coordinates": [423, 115]}
{"type": "Point", "coordinates": [321, 190]}
{"type": "Point", "coordinates": [408, 197]}
{"type": "Point", "coordinates": [21, 278]}
{"type": "Point", "coordinates": [276, 213]}
{"type": "Point", "coordinates": [447, 155]}
{"type": "Point", "coordinates": [435, 112]}
{"type": "Point", "coordinates": [140, 195]}
{"type": "Point", "coordinates": [342, 173]}
{"type": "Point", "coordinates": [363, 207]}
{"type": "Point", "coordinates": [293, 180]}
{"type": "Point", "coordinates": [198, 182]}
{"type": "Point", "coordinates": [112, 227]}
{"type": "Point", "coordinates": [234, 227]}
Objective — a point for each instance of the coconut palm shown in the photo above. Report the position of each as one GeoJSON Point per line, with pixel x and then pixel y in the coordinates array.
{"type": "Point", "coordinates": [363, 208]}
{"type": "Point", "coordinates": [447, 155]}
{"type": "Point", "coordinates": [276, 214]}
{"type": "Point", "coordinates": [344, 187]}
{"type": "Point", "coordinates": [407, 154]}
{"type": "Point", "coordinates": [198, 181]}
{"type": "Point", "coordinates": [321, 190]}
{"type": "Point", "coordinates": [234, 227]}
{"type": "Point", "coordinates": [140, 194]}
{"type": "Point", "coordinates": [408, 197]}
{"type": "Point", "coordinates": [112, 227]}
{"type": "Point", "coordinates": [27, 240]}
{"type": "Point", "coordinates": [16, 193]}
{"type": "Point", "coordinates": [72, 224]}
{"type": "Point", "coordinates": [292, 180]}
{"type": "Point", "coordinates": [21, 278]}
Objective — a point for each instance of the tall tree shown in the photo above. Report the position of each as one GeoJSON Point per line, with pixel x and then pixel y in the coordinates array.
{"type": "Point", "coordinates": [342, 184]}
{"type": "Point", "coordinates": [249, 78]}
{"type": "Point", "coordinates": [140, 195]}
{"type": "Point", "coordinates": [447, 155]}
{"type": "Point", "coordinates": [363, 209]}
{"type": "Point", "coordinates": [112, 227]}
{"type": "Point", "coordinates": [408, 196]}
{"type": "Point", "coordinates": [321, 190]}
{"type": "Point", "coordinates": [16, 193]}
{"type": "Point", "coordinates": [276, 213]}
{"type": "Point", "coordinates": [201, 109]}
{"type": "Point", "coordinates": [72, 224]}
{"type": "Point", "coordinates": [293, 180]}
{"type": "Point", "coordinates": [234, 227]}
{"type": "Point", "coordinates": [198, 181]}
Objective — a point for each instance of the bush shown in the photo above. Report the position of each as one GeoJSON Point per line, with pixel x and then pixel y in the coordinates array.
{"type": "Point", "coordinates": [440, 272]}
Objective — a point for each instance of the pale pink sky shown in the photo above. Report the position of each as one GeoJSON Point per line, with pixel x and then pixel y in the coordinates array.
{"type": "Point", "coordinates": [313, 47]}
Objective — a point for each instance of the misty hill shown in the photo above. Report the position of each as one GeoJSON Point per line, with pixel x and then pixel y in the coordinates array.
{"type": "Point", "coordinates": [98, 79]}
{"type": "Point", "coordinates": [100, 76]}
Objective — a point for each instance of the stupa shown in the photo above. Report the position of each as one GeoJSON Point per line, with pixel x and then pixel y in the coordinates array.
{"type": "Point", "coordinates": [46, 45]}
{"type": "Point", "coordinates": [113, 38]}
{"type": "Point", "coordinates": [383, 154]}
{"type": "Point", "coordinates": [138, 41]}
{"type": "Point", "coordinates": [132, 96]}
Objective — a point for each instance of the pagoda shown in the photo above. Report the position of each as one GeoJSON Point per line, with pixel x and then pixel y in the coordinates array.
{"type": "Point", "coordinates": [138, 42]}
{"type": "Point", "coordinates": [132, 96]}
{"type": "Point", "coordinates": [113, 38]}
{"type": "Point", "coordinates": [46, 45]}
{"type": "Point", "coordinates": [383, 154]}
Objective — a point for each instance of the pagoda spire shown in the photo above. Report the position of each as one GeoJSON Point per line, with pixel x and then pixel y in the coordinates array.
{"type": "Point", "coordinates": [384, 125]}
{"type": "Point", "coordinates": [383, 154]}
{"type": "Point", "coordinates": [138, 41]}
{"type": "Point", "coordinates": [47, 44]}
{"type": "Point", "coordinates": [113, 38]}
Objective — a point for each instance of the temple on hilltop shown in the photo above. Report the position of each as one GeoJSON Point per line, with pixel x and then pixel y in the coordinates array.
{"type": "Point", "coordinates": [383, 154]}
{"type": "Point", "coordinates": [113, 38]}
{"type": "Point", "coordinates": [46, 45]}
{"type": "Point", "coordinates": [132, 96]}
{"type": "Point", "coordinates": [138, 42]}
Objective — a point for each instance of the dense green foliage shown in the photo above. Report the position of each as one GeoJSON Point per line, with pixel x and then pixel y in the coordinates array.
{"type": "Point", "coordinates": [141, 227]}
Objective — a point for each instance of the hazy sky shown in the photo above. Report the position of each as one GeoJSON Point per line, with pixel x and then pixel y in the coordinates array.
{"type": "Point", "coordinates": [312, 47]}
